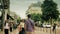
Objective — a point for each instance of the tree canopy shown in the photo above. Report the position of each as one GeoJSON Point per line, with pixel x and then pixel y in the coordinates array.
{"type": "Point", "coordinates": [18, 20]}
{"type": "Point", "coordinates": [36, 17]}
{"type": "Point", "coordinates": [49, 10]}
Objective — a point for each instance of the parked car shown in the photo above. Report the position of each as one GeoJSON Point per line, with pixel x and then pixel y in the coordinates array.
{"type": "Point", "coordinates": [47, 26]}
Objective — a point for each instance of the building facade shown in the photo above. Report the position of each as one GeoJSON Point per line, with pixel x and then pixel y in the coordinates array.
{"type": "Point", "coordinates": [34, 9]}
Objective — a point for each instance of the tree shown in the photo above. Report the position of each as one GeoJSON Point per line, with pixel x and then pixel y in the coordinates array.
{"type": "Point", "coordinates": [36, 17]}
{"type": "Point", "coordinates": [18, 20]}
{"type": "Point", "coordinates": [49, 10]}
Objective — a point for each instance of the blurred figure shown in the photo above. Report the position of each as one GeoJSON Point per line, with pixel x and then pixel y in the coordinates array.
{"type": "Point", "coordinates": [29, 25]}
{"type": "Point", "coordinates": [11, 26]}
{"type": "Point", "coordinates": [6, 27]}
{"type": "Point", "coordinates": [54, 27]}
{"type": "Point", "coordinates": [18, 27]}
{"type": "Point", "coordinates": [22, 27]}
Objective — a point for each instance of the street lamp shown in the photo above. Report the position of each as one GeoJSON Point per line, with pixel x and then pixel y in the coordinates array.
{"type": "Point", "coordinates": [2, 14]}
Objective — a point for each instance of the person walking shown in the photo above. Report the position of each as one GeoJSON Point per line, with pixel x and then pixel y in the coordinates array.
{"type": "Point", "coordinates": [29, 25]}
{"type": "Point", "coordinates": [6, 27]}
{"type": "Point", "coordinates": [11, 26]}
{"type": "Point", "coordinates": [22, 27]}
{"type": "Point", "coordinates": [54, 27]}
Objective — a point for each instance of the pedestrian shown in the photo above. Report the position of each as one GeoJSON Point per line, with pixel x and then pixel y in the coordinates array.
{"type": "Point", "coordinates": [29, 25]}
{"type": "Point", "coordinates": [22, 27]}
{"type": "Point", "coordinates": [11, 26]}
{"type": "Point", "coordinates": [54, 27]}
{"type": "Point", "coordinates": [6, 27]}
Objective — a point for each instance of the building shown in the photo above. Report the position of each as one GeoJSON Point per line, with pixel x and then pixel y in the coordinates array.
{"type": "Point", "coordinates": [34, 8]}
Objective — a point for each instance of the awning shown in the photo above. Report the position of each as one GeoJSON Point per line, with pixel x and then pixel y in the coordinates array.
{"type": "Point", "coordinates": [8, 16]}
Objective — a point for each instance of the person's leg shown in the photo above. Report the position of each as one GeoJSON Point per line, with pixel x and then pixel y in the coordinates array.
{"type": "Point", "coordinates": [11, 29]}
{"type": "Point", "coordinates": [4, 31]}
{"type": "Point", "coordinates": [23, 32]}
{"type": "Point", "coordinates": [19, 32]}
{"type": "Point", "coordinates": [7, 31]}
{"type": "Point", "coordinates": [53, 29]}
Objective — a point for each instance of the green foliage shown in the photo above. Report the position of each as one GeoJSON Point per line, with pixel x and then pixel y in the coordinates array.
{"type": "Point", "coordinates": [18, 20]}
{"type": "Point", "coordinates": [36, 17]}
{"type": "Point", "coordinates": [49, 10]}
{"type": "Point", "coordinates": [58, 19]}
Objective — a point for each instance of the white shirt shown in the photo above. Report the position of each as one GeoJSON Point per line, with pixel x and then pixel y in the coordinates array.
{"type": "Point", "coordinates": [6, 27]}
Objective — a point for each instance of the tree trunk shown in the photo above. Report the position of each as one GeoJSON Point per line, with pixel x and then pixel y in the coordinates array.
{"type": "Point", "coordinates": [51, 24]}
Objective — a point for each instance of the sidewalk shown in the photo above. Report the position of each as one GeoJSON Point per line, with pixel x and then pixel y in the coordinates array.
{"type": "Point", "coordinates": [14, 31]}
{"type": "Point", "coordinates": [37, 31]}
{"type": "Point", "coordinates": [1, 32]}
{"type": "Point", "coordinates": [40, 32]}
{"type": "Point", "coordinates": [48, 30]}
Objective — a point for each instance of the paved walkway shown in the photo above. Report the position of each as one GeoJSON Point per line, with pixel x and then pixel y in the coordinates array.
{"type": "Point", "coordinates": [37, 31]}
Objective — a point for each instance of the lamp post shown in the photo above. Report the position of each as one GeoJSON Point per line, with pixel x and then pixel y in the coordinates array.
{"type": "Point", "coordinates": [3, 15]}
{"type": "Point", "coordinates": [4, 7]}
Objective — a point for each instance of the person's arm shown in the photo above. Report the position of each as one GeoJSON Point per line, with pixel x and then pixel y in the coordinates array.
{"type": "Point", "coordinates": [19, 27]}
{"type": "Point", "coordinates": [25, 26]}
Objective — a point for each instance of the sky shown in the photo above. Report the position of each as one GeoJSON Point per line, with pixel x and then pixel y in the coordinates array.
{"type": "Point", "coordinates": [21, 6]}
